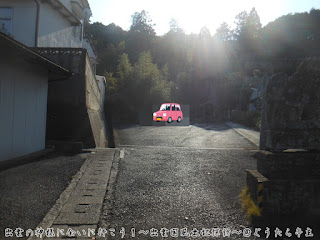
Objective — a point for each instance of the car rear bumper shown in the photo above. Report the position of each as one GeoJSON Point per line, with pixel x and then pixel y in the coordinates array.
{"type": "Point", "coordinates": [158, 119]}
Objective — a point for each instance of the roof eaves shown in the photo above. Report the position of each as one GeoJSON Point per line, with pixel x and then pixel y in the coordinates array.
{"type": "Point", "coordinates": [64, 11]}
{"type": "Point", "coordinates": [34, 56]}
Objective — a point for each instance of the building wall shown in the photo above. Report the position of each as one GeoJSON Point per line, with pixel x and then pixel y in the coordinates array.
{"type": "Point", "coordinates": [23, 107]}
{"type": "Point", "coordinates": [93, 58]}
{"type": "Point", "coordinates": [67, 4]}
{"type": "Point", "coordinates": [102, 86]}
{"type": "Point", "coordinates": [23, 20]}
{"type": "Point", "coordinates": [54, 29]}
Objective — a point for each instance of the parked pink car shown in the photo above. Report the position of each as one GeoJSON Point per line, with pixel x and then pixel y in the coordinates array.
{"type": "Point", "coordinates": [168, 112]}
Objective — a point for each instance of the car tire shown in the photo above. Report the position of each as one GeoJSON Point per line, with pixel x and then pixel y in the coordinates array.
{"type": "Point", "coordinates": [179, 119]}
{"type": "Point", "coordinates": [169, 120]}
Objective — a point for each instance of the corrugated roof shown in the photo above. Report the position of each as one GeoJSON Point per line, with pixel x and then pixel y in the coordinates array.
{"type": "Point", "coordinates": [7, 42]}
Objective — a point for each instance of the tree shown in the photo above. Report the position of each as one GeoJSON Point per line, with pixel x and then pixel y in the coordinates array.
{"type": "Point", "coordinates": [111, 84]}
{"type": "Point", "coordinates": [174, 26]}
{"type": "Point", "coordinates": [124, 69]}
{"type": "Point", "coordinates": [248, 32]}
{"type": "Point", "coordinates": [248, 25]}
{"type": "Point", "coordinates": [293, 36]}
{"type": "Point", "coordinates": [204, 33]}
{"type": "Point", "coordinates": [223, 33]}
{"type": "Point", "coordinates": [140, 36]}
{"type": "Point", "coordinates": [142, 23]}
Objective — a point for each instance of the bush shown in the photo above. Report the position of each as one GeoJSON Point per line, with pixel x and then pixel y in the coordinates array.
{"type": "Point", "coordinates": [248, 205]}
{"type": "Point", "coordinates": [250, 119]}
{"type": "Point", "coordinates": [253, 120]}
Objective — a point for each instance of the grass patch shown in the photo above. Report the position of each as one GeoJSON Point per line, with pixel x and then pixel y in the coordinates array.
{"type": "Point", "coordinates": [248, 205]}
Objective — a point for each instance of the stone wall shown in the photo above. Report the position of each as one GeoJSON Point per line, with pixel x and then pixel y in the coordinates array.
{"type": "Point", "coordinates": [291, 183]}
{"type": "Point", "coordinates": [291, 117]}
{"type": "Point", "coordinates": [290, 132]}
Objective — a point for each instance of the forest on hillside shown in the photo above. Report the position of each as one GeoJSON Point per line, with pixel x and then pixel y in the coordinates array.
{"type": "Point", "coordinates": [196, 69]}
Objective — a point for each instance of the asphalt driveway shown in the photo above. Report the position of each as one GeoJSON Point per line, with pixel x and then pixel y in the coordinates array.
{"type": "Point", "coordinates": [29, 191]}
{"type": "Point", "coordinates": [180, 177]}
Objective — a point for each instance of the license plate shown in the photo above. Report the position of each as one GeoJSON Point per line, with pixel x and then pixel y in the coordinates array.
{"type": "Point", "coordinates": [158, 118]}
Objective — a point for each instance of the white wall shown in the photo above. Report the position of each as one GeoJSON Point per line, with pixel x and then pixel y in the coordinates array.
{"type": "Point", "coordinates": [93, 58]}
{"type": "Point", "coordinates": [87, 45]}
{"type": "Point", "coordinates": [67, 4]}
{"type": "Point", "coordinates": [23, 107]}
{"type": "Point", "coordinates": [102, 86]}
{"type": "Point", "coordinates": [54, 29]}
{"type": "Point", "coordinates": [24, 20]}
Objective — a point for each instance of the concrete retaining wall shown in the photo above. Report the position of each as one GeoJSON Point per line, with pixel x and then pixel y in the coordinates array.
{"type": "Point", "coordinates": [291, 183]}
{"type": "Point", "coordinates": [75, 112]}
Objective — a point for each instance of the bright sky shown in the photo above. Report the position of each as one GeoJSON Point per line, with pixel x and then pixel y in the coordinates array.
{"type": "Point", "coordinates": [192, 15]}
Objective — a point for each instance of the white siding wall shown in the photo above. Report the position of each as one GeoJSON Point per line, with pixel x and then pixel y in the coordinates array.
{"type": "Point", "coordinates": [87, 45]}
{"type": "Point", "coordinates": [24, 20]}
{"type": "Point", "coordinates": [23, 108]}
{"type": "Point", "coordinates": [54, 29]}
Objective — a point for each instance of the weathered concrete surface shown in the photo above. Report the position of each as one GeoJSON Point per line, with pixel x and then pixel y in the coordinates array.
{"type": "Point", "coordinates": [291, 183]}
{"type": "Point", "coordinates": [254, 178]}
{"type": "Point", "coordinates": [75, 109]}
{"type": "Point", "coordinates": [294, 165]}
{"type": "Point", "coordinates": [79, 206]}
{"type": "Point", "coordinates": [290, 188]}
{"type": "Point", "coordinates": [179, 177]}
{"type": "Point", "coordinates": [250, 134]}
{"type": "Point", "coordinates": [67, 147]}
{"type": "Point", "coordinates": [291, 107]}
{"type": "Point", "coordinates": [290, 132]}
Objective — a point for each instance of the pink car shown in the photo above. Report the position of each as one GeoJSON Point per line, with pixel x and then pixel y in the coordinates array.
{"type": "Point", "coordinates": [168, 112]}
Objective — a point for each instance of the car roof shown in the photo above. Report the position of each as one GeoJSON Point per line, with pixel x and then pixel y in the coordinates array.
{"type": "Point", "coordinates": [171, 103]}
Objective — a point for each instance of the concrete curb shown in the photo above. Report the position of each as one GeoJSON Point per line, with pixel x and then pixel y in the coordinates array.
{"type": "Point", "coordinates": [250, 134]}
{"type": "Point", "coordinates": [108, 202]}
{"type": "Point", "coordinates": [55, 210]}
{"type": "Point", "coordinates": [76, 209]}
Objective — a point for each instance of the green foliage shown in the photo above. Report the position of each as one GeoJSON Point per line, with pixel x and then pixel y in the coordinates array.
{"type": "Point", "coordinates": [142, 83]}
{"type": "Point", "coordinates": [292, 36]}
{"type": "Point", "coordinates": [248, 33]}
{"type": "Point", "coordinates": [124, 68]}
{"type": "Point", "coordinates": [141, 35]}
{"type": "Point", "coordinates": [111, 84]}
{"type": "Point", "coordinates": [143, 68]}
{"type": "Point", "coordinates": [142, 23]}
{"type": "Point", "coordinates": [224, 33]}
{"type": "Point", "coordinates": [174, 26]}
